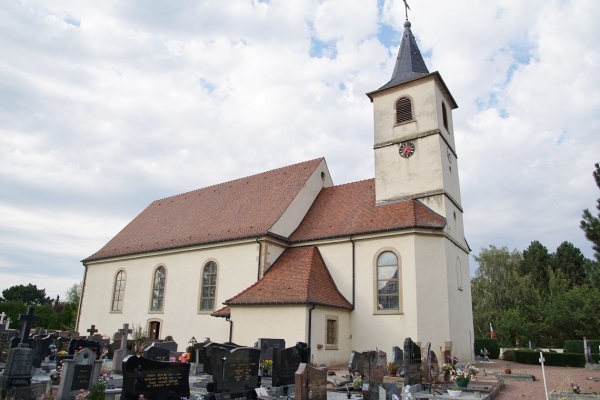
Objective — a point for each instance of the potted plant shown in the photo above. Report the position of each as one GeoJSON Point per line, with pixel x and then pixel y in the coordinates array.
{"type": "Point", "coordinates": [266, 366]}
{"type": "Point", "coordinates": [463, 375]}
{"type": "Point", "coordinates": [393, 368]}
{"type": "Point", "coordinates": [357, 383]}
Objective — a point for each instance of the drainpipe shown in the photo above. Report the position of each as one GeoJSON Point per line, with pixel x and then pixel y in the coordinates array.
{"type": "Point", "coordinates": [310, 323]}
{"type": "Point", "coordinates": [228, 319]}
{"type": "Point", "coordinates": [353, 272]}
{"type": "Point", "coordinates": [259, 256]}
{"type": "Point", "coordinates": [81, 298]}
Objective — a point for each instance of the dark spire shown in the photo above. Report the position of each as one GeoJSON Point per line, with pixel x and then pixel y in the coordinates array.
{"type": "Point", "coordinates": [409, 64]}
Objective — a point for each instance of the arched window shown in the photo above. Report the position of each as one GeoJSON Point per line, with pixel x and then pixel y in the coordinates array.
{"type": "Point", "coordinates": [388, 282]}
{"type": "Point", "coordinates": [158, 289]}
{"type": "Point", "coordinates": [403, 110]}
{"type": "Point", "coordinates": [209, 287]}
{"type": "Point", "coordinates": [445, 117]}
{"type": "Point", "coordinates": [119, 291]}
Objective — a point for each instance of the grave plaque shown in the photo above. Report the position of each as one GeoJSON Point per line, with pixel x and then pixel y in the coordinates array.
{"type": "Point", "coordinates": [82, 377]}
{"type": "Point", "coordinates": [154, 380]}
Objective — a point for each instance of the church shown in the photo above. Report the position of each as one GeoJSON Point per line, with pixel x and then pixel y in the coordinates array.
{"type": "Point", "coordinates": [287, 254]}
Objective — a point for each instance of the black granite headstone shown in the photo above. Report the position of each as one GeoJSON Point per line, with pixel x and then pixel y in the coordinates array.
{"type": "Point", "coordinates": [266, 347]}
{"type": "Point", "coordinates": [285, 364]}
{"type": "Point", "coordinates": [412, 363]}
{"type": "Point", "coordinates": [206, 354]}
{"type": "Point", "coordinates": [235, 370]}
{"type": "Point", "coordinates": [79, 344]}
{"type": "Point", "coordinates": [154, 380]}
{"type": "Point", "coordinates": [156, 353]}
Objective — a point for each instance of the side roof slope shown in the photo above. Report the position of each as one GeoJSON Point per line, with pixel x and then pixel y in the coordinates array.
{"type": "Point", "coordinates": [237, 209]}
{"type": "Point", "coordinates": [299, 276]}
{"type": "Point", "coordinates": [351, 209]}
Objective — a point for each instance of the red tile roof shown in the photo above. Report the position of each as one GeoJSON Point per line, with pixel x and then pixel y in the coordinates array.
{"type": "Point", "coordinates": [350, 209]}
{"type": "Point", "coordinates": [224, 312]}
{"type": "Point", "coordinates": [299, 276]}
{"type": "Point", "coordinates": [232, 210]}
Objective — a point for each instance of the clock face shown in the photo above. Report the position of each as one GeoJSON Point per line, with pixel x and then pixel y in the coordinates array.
{"type": "Point", "coordinates": [407, 149]}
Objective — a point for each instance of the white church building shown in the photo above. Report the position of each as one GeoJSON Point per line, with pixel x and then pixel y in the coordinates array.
{"type": "Point", "coordinates": [288, 254]}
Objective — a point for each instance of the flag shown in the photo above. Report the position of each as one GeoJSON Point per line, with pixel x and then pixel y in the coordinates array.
{"type": "Point", "coordinates": [491, 331]}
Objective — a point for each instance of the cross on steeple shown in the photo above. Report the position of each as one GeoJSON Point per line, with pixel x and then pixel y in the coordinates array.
{"type": "Point", "coordinates": [25, 320]}
{"type": "Point", "coordinates": [406, 8]}
{"type": "Point", "coordinates": [92, 330]}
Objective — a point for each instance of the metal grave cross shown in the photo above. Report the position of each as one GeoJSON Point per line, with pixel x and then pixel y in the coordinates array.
{"type": "Point", "coordinates": [2, 317]}
{"type": "Point", "coordinates": [486, 354]}
{"type": "Point", "coordinates": [92, 330]}
{"type": "Point", "coordinates": [25, 320]}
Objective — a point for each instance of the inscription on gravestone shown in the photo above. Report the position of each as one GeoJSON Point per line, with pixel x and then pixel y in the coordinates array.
{"type": "Point", "coordinates": [235, 370]}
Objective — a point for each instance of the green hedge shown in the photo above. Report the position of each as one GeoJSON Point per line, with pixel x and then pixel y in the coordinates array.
{"type": "Point", "coordinates": [492, 346]}
{"type": "Point", "coordinates": [555, 359]}
{"type": "Point", "coordinates": [576, 346]}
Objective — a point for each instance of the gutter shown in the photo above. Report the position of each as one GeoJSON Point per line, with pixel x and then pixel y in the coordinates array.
{"type": "Point", "coordinates": [353, 273]}
{"type": "Point", "coordinates": [228, 319]}
{"type": "Point", "coordinates": [259, 255]}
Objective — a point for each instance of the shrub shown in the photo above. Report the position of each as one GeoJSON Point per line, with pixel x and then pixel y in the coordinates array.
{"type": "Point", "coordinates": [576, 346]}
{"type": "Point", "coordinates": [554, 359]}
{"type": "Point", "coordinates": [508, 355]}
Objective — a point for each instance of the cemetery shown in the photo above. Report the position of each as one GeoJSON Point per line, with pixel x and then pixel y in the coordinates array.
{"type": "Point", "coordinates": [41, 364]}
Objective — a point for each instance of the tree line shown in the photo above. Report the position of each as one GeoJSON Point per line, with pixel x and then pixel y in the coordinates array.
{"type": "Point", "coordinates": [538, 296]}
{"type": "Point", "coordinates": [54, 313]}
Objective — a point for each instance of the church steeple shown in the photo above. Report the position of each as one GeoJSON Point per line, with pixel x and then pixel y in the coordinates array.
{"type": "Point", "coordinates": [409, 63]}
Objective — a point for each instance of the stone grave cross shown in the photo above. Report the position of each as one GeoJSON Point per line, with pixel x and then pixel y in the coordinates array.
{"type": "Point", "coordinates": [26, 320]}
{"type": "Point", "coordinates": [93, 330]}
{"type": "Point", "coordinates": [125, 332]}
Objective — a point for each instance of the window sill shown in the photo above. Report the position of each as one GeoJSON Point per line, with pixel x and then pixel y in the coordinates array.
{"type": "Point", "coordinates": [331, 347]}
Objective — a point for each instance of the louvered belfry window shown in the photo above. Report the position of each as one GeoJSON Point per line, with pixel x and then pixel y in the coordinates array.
{"type": "Point", "coordinates": [403, 110]}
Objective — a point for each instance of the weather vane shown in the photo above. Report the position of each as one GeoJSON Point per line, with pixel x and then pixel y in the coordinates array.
{"type": "Point", "coordinates": [406, 8]}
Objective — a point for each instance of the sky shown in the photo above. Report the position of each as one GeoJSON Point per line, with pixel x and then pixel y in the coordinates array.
{"type": "Point", "coordinates": [108, 105]}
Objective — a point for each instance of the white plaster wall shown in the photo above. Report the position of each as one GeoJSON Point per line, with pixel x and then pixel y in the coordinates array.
{"type": "Point", "coordinates": [237, 269]}
{"type": "Point", "coordinates": [291, 218]}
{"type": "Point", "coordinates": [329, 357]}
{"type": "Point", "coordinates": [282, 322]}
{"type": "Point", "coordinates": [338, 258]}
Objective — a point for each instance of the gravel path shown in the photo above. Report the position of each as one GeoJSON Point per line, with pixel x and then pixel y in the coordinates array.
{"type": "Point", "coordinates": [557, 379]}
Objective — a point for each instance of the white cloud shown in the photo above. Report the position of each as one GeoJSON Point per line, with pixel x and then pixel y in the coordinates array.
{"type": "Point", "coordinates": [108, 106]}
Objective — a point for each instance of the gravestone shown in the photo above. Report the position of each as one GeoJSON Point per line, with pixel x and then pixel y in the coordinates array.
{"type": "Point", "coordinates": [311, 383]}
{"type": "Point", "coordinates": [17, 374]}
{"type": "Point", "coordinates": [235, 371]}
{"type": "Point", "coordinates": [79, 344]}
{"type": "Point", "coordinates": [92, 331]}
{"type": "Point", "coordinates": [170, 346]}
{"type": "Point", "coordinates": [397, 355]}
{"type": "Point", "coordinates": [412, 363]}
{"type": "Point", "coordinates": [359, 363]}
{"type": "Point", "coordinates": [377, 369]}
{"type": "Point", "coordinates": [156, 353]}
{"type": "Point", "coordinates": [79, 373]}
{"type": "Point", "coordinates": [207, 354]}
{"type": "Point", "coordinates": [447, 351]}
{"type": "Point", "coordinates": [266, 347]}
{"type": "Point", "coordinates": [286, 363]}
{"type": "Point", "coordinates": [430, 365]}
{"type": "Point", "coordinates": [25, 321]}
{"type": "Point", "coordinates": [119, 355]}
{"type": "Point", "coordinates": [41, 350]}
{"type": "Point", "coordinates": [154, 380]}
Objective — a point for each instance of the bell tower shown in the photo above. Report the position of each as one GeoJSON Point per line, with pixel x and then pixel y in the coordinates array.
{"type": "Point", "coordinates": [415, 152]}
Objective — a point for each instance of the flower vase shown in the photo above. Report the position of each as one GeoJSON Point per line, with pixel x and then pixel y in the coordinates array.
{"type": "Point", "coordinates": [447, 377]}
{"type": "Point", "coordinates": [265, 372]}
{"type": "Point", "coordinates": [462, 384]}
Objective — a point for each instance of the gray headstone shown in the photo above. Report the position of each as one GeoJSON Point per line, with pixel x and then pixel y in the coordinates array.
{"type": "Point", "coordinates": [588, 351]}
{"type": "Point", "coordinates": [119, 355]}
{"type": "Point", "coordinates": [79, 373]}
{"type": "Point", "coordinates": [412, 363]}
{"type": "Point", "coordinates": [17, 374]}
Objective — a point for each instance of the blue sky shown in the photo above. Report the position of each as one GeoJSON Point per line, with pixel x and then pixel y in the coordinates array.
{"type": "Point", "coordinates": [107, 106]}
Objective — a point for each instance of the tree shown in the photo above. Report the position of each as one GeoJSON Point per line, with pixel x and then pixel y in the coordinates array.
{"type": "Point", "coordinates": [571, 261]}
{"type": "Point", "coordinates": [536, 263]}
{"type": "Point", "coordinates": [73, 294]}
{"type": "Point", "coordinates": [29, 295]}
{"type": "Point", "coordinates": [590, 223]}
